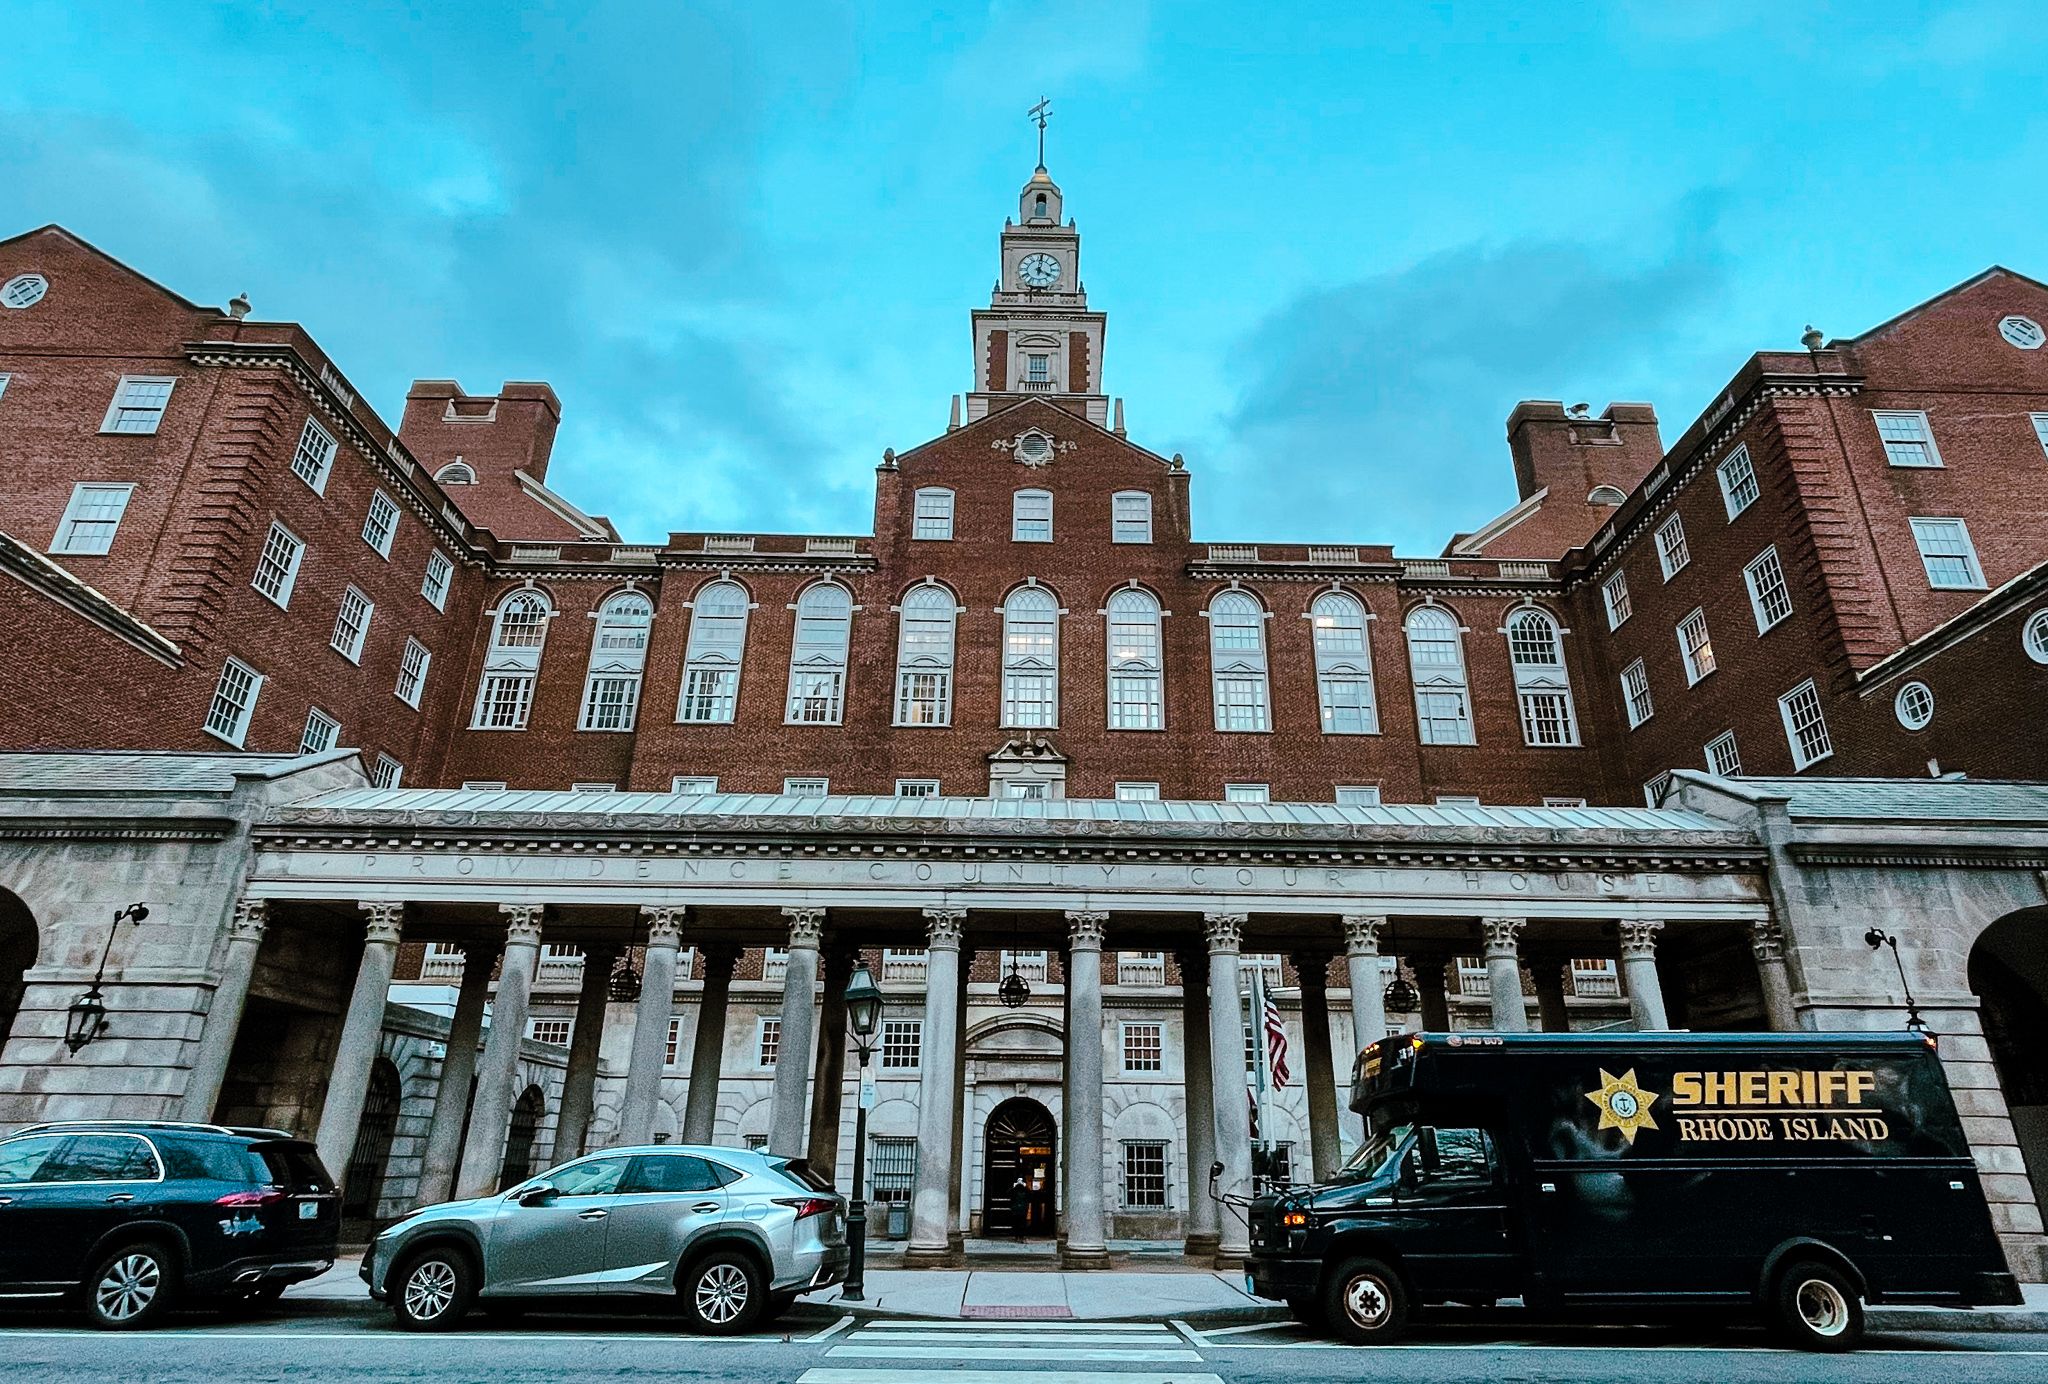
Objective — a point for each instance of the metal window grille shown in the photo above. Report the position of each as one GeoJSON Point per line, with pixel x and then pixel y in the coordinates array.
{"type": "Point", "coordinates": [1144, 1179]}
{"type": "Point", "coordinates": [892, 1168]}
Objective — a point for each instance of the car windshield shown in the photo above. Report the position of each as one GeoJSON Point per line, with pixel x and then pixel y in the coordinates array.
{"type": "Point", "coordinates": [1374, 1155]}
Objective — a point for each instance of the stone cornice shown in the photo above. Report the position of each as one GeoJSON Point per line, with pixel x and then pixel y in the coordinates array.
{"type": "Point", "coordinates": [57, 583]}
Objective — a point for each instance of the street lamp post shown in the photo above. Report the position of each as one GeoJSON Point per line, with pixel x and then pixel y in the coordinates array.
{"type": "Point", "coordinates": [863, 1015]}
{"type": "Point", "coordinates": [1877, 937]}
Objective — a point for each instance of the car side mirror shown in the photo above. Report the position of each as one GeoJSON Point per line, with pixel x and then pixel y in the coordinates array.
{"type": "Point", "coordinates": [1411, 1171]}
{"type": "Point", "coordinates": [539, 1194]}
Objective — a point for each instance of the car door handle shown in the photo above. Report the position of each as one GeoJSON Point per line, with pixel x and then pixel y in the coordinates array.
{"type": "Point", "coordinates": [592, 1215]}
{"type": "Point", "coordinates": [119, 1197]}
{"type": "Point", "coordinates": [706, 1206]}
{"type": "Point", "coordinates": [6, 1201]}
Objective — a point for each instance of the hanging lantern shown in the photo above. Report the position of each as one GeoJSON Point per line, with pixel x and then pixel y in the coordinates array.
{"type": "Point", "coordinates": [625, 981]}
{"type": "Point", "coordinates": [1015, 991]}
{"type": "Point", "coordinates": [1401, 996]}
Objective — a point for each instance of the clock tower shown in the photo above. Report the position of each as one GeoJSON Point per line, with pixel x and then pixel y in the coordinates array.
{"type": "Point", "coordinates": [1037, 335]}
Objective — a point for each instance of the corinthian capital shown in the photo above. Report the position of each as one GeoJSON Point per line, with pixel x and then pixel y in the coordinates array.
{"type": "Point", "coordinates": [1362, 933]}
{"type": "Point", "coordinates": [806, 928]}
{"type": "Point", "coordinates": [943, 928]}
{"type": "Point", "coordinates": [1639, 939]}
{"type": "Point", "coordinates": [1503, 935]}
{"type": "Point", "coordinates": [252, 916]}
{"type": "Point", "coordinates": [522, 924]}
{"type": "Point", "coordinates": [1767, 940]}
{"type": "Point", "coordinates": [1224, 931]}
{"type": "Point", "coordinates": [382, 922]}
{"type": "Point", "coordinates": [1084, 929]}
{"type": "Point", "coordinates": [664, 925]}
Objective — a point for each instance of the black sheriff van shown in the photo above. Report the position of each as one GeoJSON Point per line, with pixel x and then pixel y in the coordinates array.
{"type": "Point", "coordinates": [1799, 1174]}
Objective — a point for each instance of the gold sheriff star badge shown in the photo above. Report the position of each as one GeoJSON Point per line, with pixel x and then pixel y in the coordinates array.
{"type": "Point", "coordinates": [1623, 1104]}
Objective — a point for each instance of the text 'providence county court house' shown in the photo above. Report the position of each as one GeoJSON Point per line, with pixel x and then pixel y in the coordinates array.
{"type": "Point", "coordinates": [382, 730]}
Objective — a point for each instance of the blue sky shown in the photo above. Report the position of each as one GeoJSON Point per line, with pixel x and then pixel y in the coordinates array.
{"type": "Point", "coordinates": [1336, 242]}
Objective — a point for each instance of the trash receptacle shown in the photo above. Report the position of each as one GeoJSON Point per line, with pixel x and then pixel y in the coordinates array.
{"type": "Point", "coordinates": [899, 1220]}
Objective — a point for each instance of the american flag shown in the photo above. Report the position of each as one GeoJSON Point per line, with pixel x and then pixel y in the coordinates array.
{"type": "Point", "coordinates": [1276, 1042]}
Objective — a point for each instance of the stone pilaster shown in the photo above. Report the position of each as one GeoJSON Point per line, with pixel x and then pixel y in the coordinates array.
{"type": "Point", "coordinates": [790, 1120]}
{"type": "Point", "coordinates": [938, 1087]}
{"type": "Point", "coordinates": [224, 1013]}
{"type": "Point", "coordinates": [1639, 974]}
{"type": "Point", "coordinates": [1087, 1244]}
{"type": "Point", "coordinates": [1767, 944]}
{"type": "Point", "coordinates": [490, 1116]}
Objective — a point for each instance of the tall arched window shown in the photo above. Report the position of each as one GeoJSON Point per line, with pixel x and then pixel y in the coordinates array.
{"type": "Point", "coordinates": [1541, 685]}
{"type": "Point", "coordinates": [1343, 666]}
{"type": "Point", "coordinates": [618, 655]}
{"type": "Point", "coordinates": [1436, 665]}
{"type": "Point", "coordinates": [1137, 678]}
{"type": "Point", "coordinates": [817, 656]}
{"type": "Point", "coordinates": [518, 634]}
{"type": "Point", "coordinates": [711, 663]}
{"type": "Point", "coordinates": [924, 657]}
{"type": "Point", "coordinates": [1031, 659]}
{"type": "Point", "coordinates": [1237, 661]}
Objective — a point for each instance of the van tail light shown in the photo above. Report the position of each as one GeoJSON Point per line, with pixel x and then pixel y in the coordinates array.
{"type": "Point", "coordinates": [807, 1207]}
{"type": "Point", "coordinates": [269, 1198]}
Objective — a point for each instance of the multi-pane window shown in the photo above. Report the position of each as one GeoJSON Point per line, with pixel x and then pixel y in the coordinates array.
{"type": "Point", "coordinates": [412, 672]}
{"type": "Point", "coordinates": [380, 525]}
{"type": "Point", "coordinates": [767, 1041]}
{"type": "Point", "coordinates": [313, 458]}
{"type": "Point", "coordinates": [2040, 421]}
{"type": "Point", "coordinates": [1806, 731]}
{"type": "Point", "coordinates": [1769, 600]}
{"type": "Point", "coordinates": [1543, 691]}
{"type": "Point", "coordinates": [1358, 795]}
{"type": "Point", "coordinates": [1695, 647]}
{"type": "Point", "coordinates": [139, 403]}
{"type": "Point", "coordinates": [1722, 756]}
{"type": "Point", "coordinates": [549, 1030]}
{"type": "Point", "coordinates": [1144, 1175]}
{"type": "Point", "coordinates": [94, 512]}
{"type": "Point", "coordinates": [1614, 594]}
{"type": "Point", "coordinates": [806, 787]}
{"type": "Point", "coordinates": [1948, 554]}
{"type": "Point", "coordinates": [1130, 517]}
{"type": "Point", "coordinates": [1137, 792]}
{"type": "Point", "coordinates": [234, 701]}
{"type": "Point", "coordinates": [1914, 705]}
{"type": "Point", "coordinates": [277, 569]}
{"type": "Point", "coordinates": [693, 784]}
{"type": "Point", "coordinates": [1344, 692]}
{"type": "Point", "coordinates": [917, 788]}
{"type": "Point", "coordinates": [817, 656]}
{"type": "Point", "coordinates": [1031, 516]}
{"type": "Point", "coordinates": [322, 732]}
{"type": "Point", "coordinates": [1237, 660]}
{"type": "Point", "coordinates": [1738, 481]}
{"type": "Point", "coordinates": [1038, 368]}
{"type": "Point", "coordinates": [1907, 438]}
{"type": "Point", "coordinates": [1137, 690]}
{"type": "Point", "coordinates": [2034, 637]}
{"type": "Point", "coordinates": [1436, 665]}
{"type": "Point", "coordinates": [1247, 793]}
{"type": "Point", "coordinates": [932, 514]}
{"type": "Point", "coordinates": [1031, 658]}
{"type": "Point", "coordinates": [352, 624]}
{"type": "Point", "coordinates": [618, 657]}
{"type": "Point", "coordinates": [1671, 550]}
{"type": "Point", "coordinates": [434, 585]}
{"type": "Point", "coordinates": [519, 635]}
{"type": "Point", "coordinates": [902, 1043]}
{"type": "Point", "coordinates": [672, 1046]}
{"type": "Point", "coordinates": [711, 663]}
{"type": "Point", "coordinates": [1635, 694]}
{"type": "Point", "coordinates": [23, 291]}
{"type": "Point", "coordinates": [924, 657]}
{"type": "Point", "coordinates": [386, 772]}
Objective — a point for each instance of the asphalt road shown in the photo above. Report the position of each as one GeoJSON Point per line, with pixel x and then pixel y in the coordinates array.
{"type": "Point", "coordinates": [813, 1347]}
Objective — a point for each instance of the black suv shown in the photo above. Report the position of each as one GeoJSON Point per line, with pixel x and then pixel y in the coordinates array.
{"type": "Point", "coordinates": [130, 1215]}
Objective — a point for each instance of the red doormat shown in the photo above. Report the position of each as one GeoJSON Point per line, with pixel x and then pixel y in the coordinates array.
{"type": "Point", "coordinates": [1038, 1314]}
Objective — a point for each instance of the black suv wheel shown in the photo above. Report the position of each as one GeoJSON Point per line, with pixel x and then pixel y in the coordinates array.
{"type": "Point", "coordinates": [131, 1287]}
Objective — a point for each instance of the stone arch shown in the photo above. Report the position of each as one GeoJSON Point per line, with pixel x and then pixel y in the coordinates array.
{"type": "Point", "coordinates": [2008, 972]}
{"type": "Point", "coordinates": [20, 948]}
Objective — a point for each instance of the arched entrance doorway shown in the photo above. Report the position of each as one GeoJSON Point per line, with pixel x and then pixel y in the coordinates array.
{"type": "Point", "coordinates": [363, 1184]}
{"type": "Point", "coordinates": [2009, 973]}
{"type": "Point", "coordinates": [1021, 1147]}
{"type": "Point", "coordinates": [526, 1113]}
{"type": "Point", "coordinates": [19, 945]}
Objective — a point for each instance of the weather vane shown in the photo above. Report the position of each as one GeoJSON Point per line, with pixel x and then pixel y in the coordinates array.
{"type": "Point", "coordinates": [1037, 114]}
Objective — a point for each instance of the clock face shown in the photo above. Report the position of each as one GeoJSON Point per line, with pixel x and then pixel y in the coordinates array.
{"type": "Point", "coordinates": [1039, 271]}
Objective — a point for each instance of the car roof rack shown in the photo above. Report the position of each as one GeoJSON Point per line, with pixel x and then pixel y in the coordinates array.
{"type": "Point", "coordinates": [246, 1131]}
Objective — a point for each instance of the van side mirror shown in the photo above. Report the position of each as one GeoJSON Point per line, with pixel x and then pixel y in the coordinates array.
{"type": "Point", "coordinates": [1411, 1170]}
{"type": "Point", "coordinates": [539, 1194]}
{"type": "Point", "coordinates": [1215, 1172]}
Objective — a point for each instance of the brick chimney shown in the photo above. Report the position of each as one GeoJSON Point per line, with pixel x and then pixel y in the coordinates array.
{"type": "Point", "coordinates": [494, 434]}
{"type": "Point", "coordinates": [1570, 453]}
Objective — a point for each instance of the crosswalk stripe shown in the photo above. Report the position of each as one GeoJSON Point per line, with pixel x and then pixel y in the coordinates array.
{"type": "Point", "coordinates": [1135, 1354]}
{"type": "Point", "coordinates": [1006, 1338]}
{"type": "Point", "coordinates": [1004, 1324]}
{"type": "Point", "coordinates": [826, 1375]}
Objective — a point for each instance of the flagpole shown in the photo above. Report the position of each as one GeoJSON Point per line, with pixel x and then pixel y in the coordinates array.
{"type": "Point", "coordinates": [1261, 1069]}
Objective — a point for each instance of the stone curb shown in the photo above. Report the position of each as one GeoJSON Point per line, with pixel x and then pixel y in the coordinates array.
{"type": "Point", "coordinates": [1955, 1319]}
{"type": "Point", "coordinates": [1210, 1316]}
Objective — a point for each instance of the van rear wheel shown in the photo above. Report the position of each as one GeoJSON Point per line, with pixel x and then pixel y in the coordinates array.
{"type": "Point", "coordinates": [1817, 1307]}
{"type": "Point", "coordinates": [1365, 1302]}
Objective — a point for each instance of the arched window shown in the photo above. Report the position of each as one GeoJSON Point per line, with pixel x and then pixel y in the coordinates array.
{"type": "Point", "coordinates": [1237, 661]}
{"type": "Point", "coordinates": [817, 656]}
{"type": "Point", "coordinates": [1541, 687]}
{"type": "Point", "coordinates": [711, 662]}
{"type": "Point", "coordinates": [1031, 516]}
{"type": "Point", "coordinates": [924, 657]}
{"type": "Point", "coordinates": [456, 473]}
{"type": "Point", "coordinates": [618, 656]}
{"type": "Point", "coordinates": [1137, 679]}
{"type": "Point", "coordinates": [1436, 665]}
{"type": "Point", "coordinates": [518, 634]}
{"type": "Point", "coordinates": [932, 513]}
{"type": "Point", "coordinates": [1343, 666]}
{"type": "Point", "coordinates": [1031, 659]}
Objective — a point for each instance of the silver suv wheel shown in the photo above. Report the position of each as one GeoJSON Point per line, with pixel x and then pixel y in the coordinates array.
{"type": "Point", "coordinates": [722, 1294]}
{"type": "Point", "coordinates": [430, 1289]}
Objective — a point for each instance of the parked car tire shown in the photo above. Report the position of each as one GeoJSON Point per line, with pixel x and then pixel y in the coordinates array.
{"type": "Point", "coordinates": [1817, 1307]}
{"type": "Point", "coordinates": [131, 1286]}
{"type": "Point", "coordinates": [1365, 1302]}
{"type": "Point", "coordinates": [432, 1290]}
{"type": "Point", "coordinates": [1307, 1309]}
{"type": "Point", "coordinates": [724, 1293]}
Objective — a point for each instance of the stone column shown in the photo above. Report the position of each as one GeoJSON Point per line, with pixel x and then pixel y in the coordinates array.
{"type": "Point", "coordinates": [645, 1059]}
{"type": "Point", "coordinates": [1087, 1228]}
{"type": "Point", "coordinates": [707, 1049]}
{"type": "Point", "coordinates": [1200, 1220]}
{"type": "Point", "coordinates": [579, 1083]}
{"type": "Point", "coordinates": [1431, 972]}
{"type": "Point", "coordinates": [938, 1087]}
{"type": "Point", "coordinates": [828, 1081]}
{"type": "Point", "coordinates": [1326, 1149]}
{"type": "Point", "coordinates": [1362, 968]}
{"type": "Point", "coordinates": [790, 1117]}
{"type": "Point", "coordinates": [490, 1119]}
{"type": "Point", "coordinates": [458, 1066]}
{"type": "Point", "coordinates": [1639, 974]}
{"type": "Point", "coordinates": [1504, 974]}
{"type": "Point", "coordinates": [956, 1237]}
{"type": "Point", "coordinates": [1231, 1108]}
{"type": "Point", "coordinates": [1767, 942]}
{"type": "Point", "coordinates": [224, 1014]}
{"type": "Point", "coordinates": [1546, 969]}
{"type": "Point", "coordinates": [362, 1030]}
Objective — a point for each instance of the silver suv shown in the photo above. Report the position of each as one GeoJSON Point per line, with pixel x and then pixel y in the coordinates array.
{"type": "Point", "coordinates": [734, 1235]}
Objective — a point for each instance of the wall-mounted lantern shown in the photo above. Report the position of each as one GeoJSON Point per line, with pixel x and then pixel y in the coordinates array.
{"type": "Point", "coordinates": [86, 1017]}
